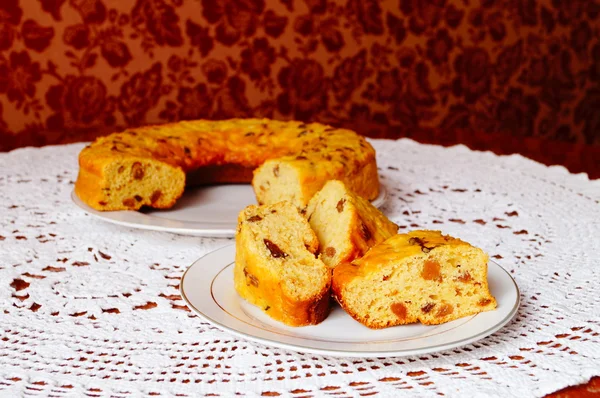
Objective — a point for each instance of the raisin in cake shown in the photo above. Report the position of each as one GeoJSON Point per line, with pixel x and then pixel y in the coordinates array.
{"type": "Point", "coordinates": [419, 276]}
{"type": "Point", "coordinates": [276, 267]}
{"type": "Point", "coordinates": [346, 224]}
{"type": "Point", "coordinates": [284, 160]}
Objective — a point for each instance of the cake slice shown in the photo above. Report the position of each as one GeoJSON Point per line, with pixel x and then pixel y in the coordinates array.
{"type": "Point", "coordinates": [121, 176]}
{"type": "Point", "coordinates": [276, 267]}
{"type": "Point", "coordinates": [346, 224]}
{"type": "Point", "coordinates": [419, 276]}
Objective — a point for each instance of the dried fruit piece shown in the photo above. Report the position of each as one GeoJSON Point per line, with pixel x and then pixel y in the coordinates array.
{"type": "Point", "coordinates": [255, 218]}
{"type": "Point", "coordinates": [365, 231]}
{"type": "Point", "coordinates": [427, 307]}
{"type": "Point", "coordinates": [276, 252]}
{"type": "Point", "coordinates": [399, 310]}
{"type": "Point", "coordinates": [465, 277]}
{"type": "Point", "coordinates": [129, 202]}
{"type": "Point", "coordinates": [138, 198]}
{"type": "Point", "coordinates": [445, 309]}
{"type": "Point", "coordinates": [155, 196]}
{"type": "Point", "coordinates": [415, 241]}
{"type": "Point", "coordinates": [137, 171]}
{"type": "Point", "coordinates": [330, 251]}
{"type": "Point", "coordinates": [252, 280]}
{"type": "Point", "coordinates": [276, 171]}
{"type": "Point", "coordinates": [431, 271]}
{"type": "Point", "coordinates": [340, 205]}
{"type": "Point", "coordinates": [121, 169]}
{"type": "Point", "coordinates": [420, 242]}
{"type": "Point", "coordinates": [483, 302]}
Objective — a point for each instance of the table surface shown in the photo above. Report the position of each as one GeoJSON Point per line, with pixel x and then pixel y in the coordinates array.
{"type": "Point", "coordinates": [91, 308]}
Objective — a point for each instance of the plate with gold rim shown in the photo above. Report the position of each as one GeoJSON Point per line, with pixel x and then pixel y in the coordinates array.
{"type": "Point", "coordinates": [208, 290]}
{"type": "Point", "coordinates": [209, 211]}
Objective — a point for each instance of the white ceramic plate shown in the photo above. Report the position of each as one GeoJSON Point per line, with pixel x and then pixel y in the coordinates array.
{"type": "Point", "coordinates": [207, 288]}
{"type": "Point", "coordinates": [209, 211]}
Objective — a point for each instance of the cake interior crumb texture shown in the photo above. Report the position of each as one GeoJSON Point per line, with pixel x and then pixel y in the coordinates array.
{"type": "Point", "coordinates": [346, 224]}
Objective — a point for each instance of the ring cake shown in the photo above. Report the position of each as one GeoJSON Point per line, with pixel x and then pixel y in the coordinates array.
{"type": "Point", "coordinates": [150, 166]}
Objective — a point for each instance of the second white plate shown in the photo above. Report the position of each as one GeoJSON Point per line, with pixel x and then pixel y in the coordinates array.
{"type": "Point", "coordinates": [209, 211]}
{"type": "Point", "coordinates": [207, 288]}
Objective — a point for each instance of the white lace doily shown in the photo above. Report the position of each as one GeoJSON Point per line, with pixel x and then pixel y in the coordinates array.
{"type": "Point", "coordinates": [92, 309]}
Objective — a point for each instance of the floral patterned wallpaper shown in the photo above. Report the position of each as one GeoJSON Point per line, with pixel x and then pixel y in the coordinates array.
{"type": "Point", "coordinates": [73, 69]}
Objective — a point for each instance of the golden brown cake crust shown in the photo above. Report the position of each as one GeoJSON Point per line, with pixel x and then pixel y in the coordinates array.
{"type": "Point", "coordinates": [126, 170]}
{"type": "Point", "coordinates": [309, 312]}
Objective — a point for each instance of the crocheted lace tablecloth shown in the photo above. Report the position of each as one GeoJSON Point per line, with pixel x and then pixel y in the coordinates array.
{"type": "Point", "coordinates": [93, 309]}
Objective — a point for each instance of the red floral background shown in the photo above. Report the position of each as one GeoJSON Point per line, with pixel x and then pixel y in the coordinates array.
{"type": "Point", "coordinates": [508, 75]}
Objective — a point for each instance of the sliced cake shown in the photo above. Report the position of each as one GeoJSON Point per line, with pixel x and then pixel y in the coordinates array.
{"type": "Point", "coordinates": [276, 267]}
{"type": "Point", "coordinates": [419, 276]}
{"type": "Point", "coordinates": [346, 224]}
